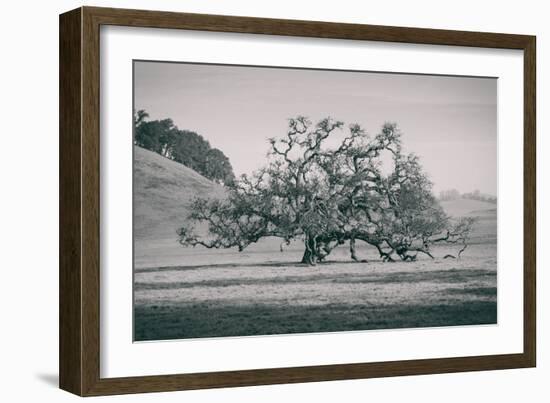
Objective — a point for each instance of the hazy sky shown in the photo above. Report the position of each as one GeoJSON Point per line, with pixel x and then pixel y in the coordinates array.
{"type": "Point", "coordinates": [450, 122]}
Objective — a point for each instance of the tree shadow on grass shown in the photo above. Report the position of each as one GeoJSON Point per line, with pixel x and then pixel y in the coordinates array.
{"type": "Point", "coordinates": [229, 265]}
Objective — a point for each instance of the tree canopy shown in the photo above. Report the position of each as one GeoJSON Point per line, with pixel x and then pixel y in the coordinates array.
{"type": "Point", "coordinates": [327, 195]}
{"type": "Point", "coordinates": [183, 146]}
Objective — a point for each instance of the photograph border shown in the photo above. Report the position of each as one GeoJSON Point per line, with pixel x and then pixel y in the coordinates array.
{"type": "Point", "coordinates": [79, 279]}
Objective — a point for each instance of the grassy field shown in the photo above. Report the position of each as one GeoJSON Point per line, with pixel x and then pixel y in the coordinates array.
{"type": "Point", "coordinates": [274, 298]}
{"type": "Point", "coordinates": [193, 292]}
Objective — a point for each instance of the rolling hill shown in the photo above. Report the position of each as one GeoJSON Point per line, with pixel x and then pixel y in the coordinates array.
{"type": "Point", "coordinates": [163, 190]}
{"type": "Point", "coordinates": [485, 227]}
{"type": "Point", "coordinates": [466, 207]}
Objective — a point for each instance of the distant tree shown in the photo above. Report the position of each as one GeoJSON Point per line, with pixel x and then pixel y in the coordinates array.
{"type": "Point", "coordinates": [156, 135]}
{"type": "Point", "coordinates": [218, 167]}
{"type": "Point", "coordinates": [327, 196]}
{"type": "Point", "coordinates": [477, 195]}
{"type": "Point", "coordinates": [190, 149]}
{"type": "Point", "coordinates": [451, 194]}
{"type": "Point", "coordinates": [139, 117]}
{"type": "Point", "coordinates": [183, 146]}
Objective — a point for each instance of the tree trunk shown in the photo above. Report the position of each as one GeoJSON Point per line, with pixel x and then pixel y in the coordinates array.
{"type": "Point", "coordinates": [310, 256]}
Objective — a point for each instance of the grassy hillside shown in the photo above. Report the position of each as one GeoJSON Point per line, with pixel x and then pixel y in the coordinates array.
{"type": "Point", "coordinates": [163, 190]}
{"type": "Point", "coordinates": [466, 207]}
{"type": "Point", "coordinates": [485, 228]}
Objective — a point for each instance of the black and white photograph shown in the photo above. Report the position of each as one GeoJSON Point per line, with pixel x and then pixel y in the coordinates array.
{"type": "Point", "coordinates": [281, 200]}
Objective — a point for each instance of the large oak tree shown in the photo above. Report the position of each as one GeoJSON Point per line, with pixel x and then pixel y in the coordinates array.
{"type": "Point", "coordinates": [363, 188]}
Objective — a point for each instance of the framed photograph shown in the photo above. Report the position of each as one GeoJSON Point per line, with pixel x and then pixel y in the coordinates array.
{"type": "Point", "coordinates": [249, 201]}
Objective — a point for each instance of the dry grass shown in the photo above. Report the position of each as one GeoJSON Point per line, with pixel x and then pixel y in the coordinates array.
{"type": "Point", "coordinates": [260, 298]}
{"type": "Point", "coordinates": [189, 293]}
{"type": "Point", "coordinates": [163, 190]}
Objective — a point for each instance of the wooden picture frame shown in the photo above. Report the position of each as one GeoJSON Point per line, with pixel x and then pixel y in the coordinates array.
{"type": "Point", "coordinates": [79, 348]}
